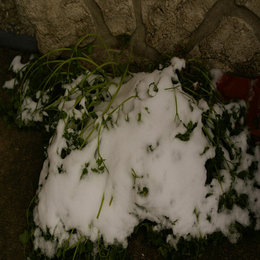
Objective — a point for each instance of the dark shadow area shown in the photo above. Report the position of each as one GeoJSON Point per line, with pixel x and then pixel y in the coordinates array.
{"type": "Point", "coordinates": [15, 41]}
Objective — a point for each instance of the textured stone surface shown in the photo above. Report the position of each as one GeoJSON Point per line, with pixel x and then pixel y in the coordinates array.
{"type": "Point", "coordinates": [7, 8]}
{"type": "Point", "coordinates": [252, 5]}
{"type": "Point", "coordinates": [57, 23]}
{"type": "Point", "coordinates": [10, 19]}
{"type": "Point", "coordinates": [118, 15]}
{"type": "Point", "coordinates": [226, 32]}
{"type": "Point", "coordinates": [170, 23]}
{"type": "Point", "coordinates": [233, 46]}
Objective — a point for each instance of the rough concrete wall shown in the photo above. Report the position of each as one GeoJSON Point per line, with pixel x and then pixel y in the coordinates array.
{"type": "Point", "coordinates": [224, 32]}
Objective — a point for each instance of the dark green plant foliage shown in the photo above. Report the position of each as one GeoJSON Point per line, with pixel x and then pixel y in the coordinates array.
{"type": "Point", "coordinates": [218, 129]}
{"type": "Point", "coordinates": [85, 170]}
{"type": "Point", "coordinates": [143, 192]}
{"type": "Point", "coordinates": [60, 169]}
{"type": "Point", "coordinates": [205, 150]}
{"type": "Point", "coordinates": [214, 164]}
{"type": "Point", "coordinates": [40, 75]}
{"type": "Point", "coordinates": [229, 199]}
{"type": "Point", "coordinates": [139, 117]}
{"type": "Point", "coordinates": [250, 145]}
{"type": "Point", "coordinates": [85, 251]}
{"type": "Point", "coordinates": [195, 80]}
{"type": "Point", "coordinates": [189, 248]}
{"type": "Point", "coordinates": [150, 148]}
{"type": "Point", "coordinates": [108, 122]}
{"type": "Point", "coordinates": [186, 136]}
{"type": "Point", "coordinates": [252, 169]}
{"type": "Point", "coordinates": [248, 174]}
{"type": "Point", "coordinates": [24, 238]}
{"type": "Point", "coordinates": [100, 165]}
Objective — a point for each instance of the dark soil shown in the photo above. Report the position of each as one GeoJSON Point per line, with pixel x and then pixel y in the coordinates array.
{"type": "Point", "coordinates": [21, 158]}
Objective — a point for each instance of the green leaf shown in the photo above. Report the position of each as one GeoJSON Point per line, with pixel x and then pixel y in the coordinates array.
{"type": "Point", "coordinates": [205, 150]}
{"type": "Point", "coordinates": [243, 175]}
{"type": "Point", "coordinates": [85, 171]}
{"type": "Point", "coordinates": [242, 201]}
{"type": "Point", "coordinates": [186, 136]}
{"type": "Point", "coordinates": [24, 237]}
{"type": "Point", "coordinates": [144, 192]}
{"type": "Point", "coordinates": [212, 165]}
{"type": "Point", "coordinates": [139, 117]}
{"type": "Point", "coordinates": [253, 169]}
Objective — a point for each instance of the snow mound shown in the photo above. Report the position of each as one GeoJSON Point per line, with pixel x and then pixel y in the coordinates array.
{"type": "Point", "coordinates": [144, 160]}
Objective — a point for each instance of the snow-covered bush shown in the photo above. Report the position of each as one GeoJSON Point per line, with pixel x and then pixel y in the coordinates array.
{"type": "Point", "coordinates": [155, 146]}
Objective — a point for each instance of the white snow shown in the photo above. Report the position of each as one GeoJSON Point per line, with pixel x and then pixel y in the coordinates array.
{"type": "Point", "coordinates": [9, 84]}
{"type": "Point", "coordinates": [151, 174]}
{"type": "Point", "coordinates": [30, 110]}
{"type": "Point", "coordinates": [17, 65]}
{"type": "Point", "coordinates": [217, 75]}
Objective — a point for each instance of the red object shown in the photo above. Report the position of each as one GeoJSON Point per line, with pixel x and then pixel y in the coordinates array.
{"type": "Point", "coordinates": [233, 87]}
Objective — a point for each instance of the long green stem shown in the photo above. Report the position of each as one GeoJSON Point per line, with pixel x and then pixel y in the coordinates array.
{"type": "Point", "coordinates": [89, 135]}
{"type": "Point", "coordinates": [118, 89]}
{"type": "Point", "coordinates": [98, 148]}
{"type": "Point", "coordinates": [208, 135]}
{"type": "Point", "coordinates": [101, 205]}
{"type": "Point", "coordinates": [176, 107]}
{"type": "Point", "coordinates": [121, 104]}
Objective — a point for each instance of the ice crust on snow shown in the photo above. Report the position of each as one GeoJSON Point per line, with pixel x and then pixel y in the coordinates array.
{"type": "Point", "coordinates": [141, 153]}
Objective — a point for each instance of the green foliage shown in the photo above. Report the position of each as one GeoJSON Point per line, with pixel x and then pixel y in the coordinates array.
{"type": "Point", "coordinates": [84, 249]}
{"type": "Point", "coordinates": [100, 166]}
{"type": "Point", "coordinates": [143, 191]}
{"type": "Point", "coordinates": [150, 148]}
{"type": "Point", "coordinates": [219, 128]}
{"type": "Point", "coordinates": [85, 170]}
{"type": "Point", "coordinates": [43, 81]}
{"type": "Point", "coordinates": [24, 237]}
{"type": "Point", "coordinates": [196, 81]}
{"type": "Point", "coordinates": [249, 173]}
{"type": "Point", "coordinates": [215, 164]}
{"type": "Point", "coordinates": [186, 136]}
{"type": "Point", "coordinates": [186, 248]}
{"type": "Point", "coordinates": [229, 199]}
{"type": "Point", "coordinates": [139, 117]}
